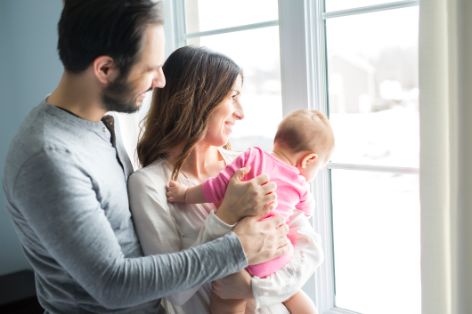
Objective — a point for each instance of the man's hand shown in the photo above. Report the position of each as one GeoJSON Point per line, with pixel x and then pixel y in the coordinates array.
{"type": "Point", "coordinates": [255, 197]}
{"type": "Point", "coordinates": [262, 240]}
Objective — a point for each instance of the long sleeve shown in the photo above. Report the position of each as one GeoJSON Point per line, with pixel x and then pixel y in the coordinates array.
{"type": "Point", "coordinates": [67, 218]}
{"type": "Point", "coordinates": [282, 284]}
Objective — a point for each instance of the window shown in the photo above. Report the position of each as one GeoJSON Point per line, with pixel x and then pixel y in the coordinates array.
{"type": "Point", "coordinates": [368, 55]}
{"type": "Point", "coordinates": [247, 33]}
{"type": "Point", "coordinates": [357, 61]}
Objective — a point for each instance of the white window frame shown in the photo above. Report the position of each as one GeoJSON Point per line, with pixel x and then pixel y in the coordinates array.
{"type": "Point", "coordinates": [305, 21]}
{"type": "Point", "coordinates": [303, 81]}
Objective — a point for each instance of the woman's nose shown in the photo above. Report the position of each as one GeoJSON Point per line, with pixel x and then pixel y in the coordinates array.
{"type": "Point", "coordinates": [239, 112]}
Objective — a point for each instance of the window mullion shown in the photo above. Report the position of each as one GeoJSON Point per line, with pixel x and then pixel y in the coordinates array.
{"type": "Point", "coordinates": [175, 24]}
{"type": "Point", "coordinates": [304, 84]}
{"type": "Point", "coordinates": [324, 279]}
{"type": "Point", "coordinates": [293, 55]}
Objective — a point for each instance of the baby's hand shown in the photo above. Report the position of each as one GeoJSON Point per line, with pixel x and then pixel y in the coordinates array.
{"type": "Point", "coordinates": [175, 192]}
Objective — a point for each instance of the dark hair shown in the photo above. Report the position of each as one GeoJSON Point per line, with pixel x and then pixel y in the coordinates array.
{"type": "Point", "coordinates": [197, 80]}
{"type": "Point", "coordinates": [92, 28]}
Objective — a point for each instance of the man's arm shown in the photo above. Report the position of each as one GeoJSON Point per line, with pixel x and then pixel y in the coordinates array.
{"type": "Point", "coordinates": [58, 201]}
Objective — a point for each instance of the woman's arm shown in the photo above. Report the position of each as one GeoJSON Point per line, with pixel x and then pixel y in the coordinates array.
{"type": "Point", "coordinates": [286, 281]}
{"type": "Point", "coordinates": [308, 255]}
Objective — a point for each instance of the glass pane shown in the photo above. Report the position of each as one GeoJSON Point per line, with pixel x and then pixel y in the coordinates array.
{"type": "Point", "coordinates": [373, 87]}
{"type": "Point", "coordinates": [204, 15]}
{"type": "Point", "coordinates": [261, 96]}
{"type": "Point", "coordinates": [376, 242]}
{"type": "Point", "coordinates": [336, 5]}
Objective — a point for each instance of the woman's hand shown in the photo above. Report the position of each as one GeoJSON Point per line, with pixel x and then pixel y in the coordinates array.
{"type": "Point", "coordinates": [255, 197]}
{"type": "Point", "coordinates": [235, 286]}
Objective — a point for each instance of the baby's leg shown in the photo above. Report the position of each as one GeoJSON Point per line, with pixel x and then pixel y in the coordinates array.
{"type": "Point", "coordinates": [300, 303]}
{"type": "Point", "coordinates": [226, 306]}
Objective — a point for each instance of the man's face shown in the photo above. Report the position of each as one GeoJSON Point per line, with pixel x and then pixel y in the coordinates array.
{"type": "Point", "coordinates": [126, 93]}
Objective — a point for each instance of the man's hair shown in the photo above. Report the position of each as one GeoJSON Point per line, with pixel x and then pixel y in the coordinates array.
{"type": "Point", "coordinates": [92, 28]}
{"type": "Point", "coordinates": [197, 81]}
{"type": "Point", "coordinates": [305, 130]}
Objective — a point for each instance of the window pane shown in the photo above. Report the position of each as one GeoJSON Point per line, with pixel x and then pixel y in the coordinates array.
{"type": "Point", "coordinates": [261, 96]}
{"type": "Point", "coordinates": [373, 87]}
{"type": "Point", "coordinates": [336, 5]}
{"type": "Point", "coordinates": [376, 242]}
{"type": "Point", "coordinates": [204, 15]}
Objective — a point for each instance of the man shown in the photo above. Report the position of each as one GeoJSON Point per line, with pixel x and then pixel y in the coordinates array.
{"type": "Point", "coordinates": [66, 171]}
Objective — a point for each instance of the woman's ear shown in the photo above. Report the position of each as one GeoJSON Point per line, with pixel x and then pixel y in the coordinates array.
{"type": "Point", "coordinates": [308, 159]}
{"type": "Point", "coordinates": [104, 69]}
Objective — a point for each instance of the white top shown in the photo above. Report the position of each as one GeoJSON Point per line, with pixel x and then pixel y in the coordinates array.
{"type": "Point", "coordinates": [164, 227]}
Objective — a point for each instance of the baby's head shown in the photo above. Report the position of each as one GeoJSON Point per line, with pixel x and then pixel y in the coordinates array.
{"type": "Point", "coordinates": [306, 137]}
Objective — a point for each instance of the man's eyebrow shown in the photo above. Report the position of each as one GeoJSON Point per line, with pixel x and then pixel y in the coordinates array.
{"type": "Point", "coordinates": [153, 67]}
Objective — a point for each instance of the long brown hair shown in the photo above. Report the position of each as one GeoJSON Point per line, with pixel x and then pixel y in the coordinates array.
{"type": "Point", "coordinates": [197, 80]}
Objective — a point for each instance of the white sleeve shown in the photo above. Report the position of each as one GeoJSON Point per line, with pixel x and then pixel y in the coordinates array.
{"type": "Point", "coordinates": [308, 255]}
{"type": "Point", "coordinates": [213, 228]}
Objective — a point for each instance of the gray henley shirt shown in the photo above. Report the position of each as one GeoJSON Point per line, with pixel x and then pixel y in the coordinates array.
{"type": "Point", "coordinates": [65, 188]}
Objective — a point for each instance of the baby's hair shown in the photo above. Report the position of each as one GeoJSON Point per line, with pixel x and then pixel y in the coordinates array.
{"type": "Point", "coordinates": [305, 130]}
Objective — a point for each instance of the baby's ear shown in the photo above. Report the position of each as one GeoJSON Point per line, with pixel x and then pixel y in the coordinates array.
{"type": "Point", "coordinates": [308, 159]}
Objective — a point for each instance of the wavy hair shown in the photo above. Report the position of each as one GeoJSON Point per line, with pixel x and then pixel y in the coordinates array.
{"type": "Point", "coordinates": [197, 80]}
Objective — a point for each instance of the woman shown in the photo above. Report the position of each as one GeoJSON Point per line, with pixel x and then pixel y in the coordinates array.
{"type": "Point", "coordinates": [189, 122]}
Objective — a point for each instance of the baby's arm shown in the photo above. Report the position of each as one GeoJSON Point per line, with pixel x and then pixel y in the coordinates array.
{"type": "Point", "coordinates": [211, 191]}
{"type": "Point", "coordinates": [178, 193]}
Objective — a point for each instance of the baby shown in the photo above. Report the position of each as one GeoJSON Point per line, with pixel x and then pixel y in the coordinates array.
{"type": "Point", "coordinates": [302, 145]}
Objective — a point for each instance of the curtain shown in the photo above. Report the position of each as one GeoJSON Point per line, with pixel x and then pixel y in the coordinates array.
{"type": "Point", "coordinates": [445, 80]}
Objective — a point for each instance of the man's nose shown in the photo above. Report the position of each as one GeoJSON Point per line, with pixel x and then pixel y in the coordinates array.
{"type": "Point", "coordinates": [160, 79]}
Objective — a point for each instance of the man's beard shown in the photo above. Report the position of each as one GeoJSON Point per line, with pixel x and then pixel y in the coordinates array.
{"type": "Point", "coordinates": [118, 96]}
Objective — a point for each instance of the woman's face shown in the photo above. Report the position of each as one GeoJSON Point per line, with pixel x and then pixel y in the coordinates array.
{"type": "Point", "coordinates": [226, 113]}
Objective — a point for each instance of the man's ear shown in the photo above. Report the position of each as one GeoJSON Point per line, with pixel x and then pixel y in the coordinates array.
{"type": "Point", "coordinates": [104, 69]}
{"type": "Point", "coordinates": [308, 159]}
